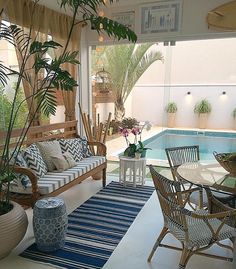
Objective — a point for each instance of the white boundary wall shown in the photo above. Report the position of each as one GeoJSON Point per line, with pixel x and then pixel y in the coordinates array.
{"type": "Point", "coordinates": [150, 100]}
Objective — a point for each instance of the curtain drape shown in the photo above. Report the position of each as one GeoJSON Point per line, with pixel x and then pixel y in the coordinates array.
{"type": "Point", "coordinates": [44, 22]}
{"type": "Point", "coordinates": [58, 26]}
{"type": "Point", "coordinates": [24, 14]}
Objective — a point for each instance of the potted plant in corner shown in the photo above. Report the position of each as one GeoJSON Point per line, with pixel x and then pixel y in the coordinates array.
{"type": "Point", "coordinates": [234, 116]}
{"type": "Point", "coordinates": [171, 110]}
{"type": "Point", "coordinates": [13, 219]}
{"type": "Point", "coordinates": [202, 109]}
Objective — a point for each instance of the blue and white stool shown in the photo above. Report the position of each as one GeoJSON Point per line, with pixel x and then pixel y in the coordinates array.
{"type": "Point", "coordinates": [50, 223]}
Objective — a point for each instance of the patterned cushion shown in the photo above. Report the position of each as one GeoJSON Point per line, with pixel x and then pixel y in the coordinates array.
{"type": "Point", "coordinates": [20, 181]}
{"type": "Point", "coordinates": [73, 146]}
{"type": "Point", "coordinates": [86, 150]}
{"type": "Point", "coordinates": [34, 160]}
{"type": "Point", "coordinates": [48, 149]}
{"type": "Point", "coordinates": [54, 180]}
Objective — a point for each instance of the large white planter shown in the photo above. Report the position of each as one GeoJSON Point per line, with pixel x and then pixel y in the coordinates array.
{"type": "Point", "coordinates": [171, 120]}
{"type": "Point", "coordinates": [13, 226]}
{"type": "Point", "coordinates": [202, 120]}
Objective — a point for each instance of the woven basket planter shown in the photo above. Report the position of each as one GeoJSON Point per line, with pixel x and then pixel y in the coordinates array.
{"type": "Point", "coordinates": [228, 165]}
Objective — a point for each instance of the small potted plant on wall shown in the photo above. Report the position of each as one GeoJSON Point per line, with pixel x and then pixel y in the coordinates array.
{"type": "Point", "coordinates": [171, 110]}
{"type": "Point", "coordinates": [234, 116]}
{"type": "Point", "coordinates": [202, 109]}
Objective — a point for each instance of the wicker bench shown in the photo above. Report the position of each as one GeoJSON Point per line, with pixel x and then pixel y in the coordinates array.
{"type": "Point", "coordinates": [54, 183]}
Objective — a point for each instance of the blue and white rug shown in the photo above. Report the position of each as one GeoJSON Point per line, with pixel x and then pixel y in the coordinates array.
{"type": "Point", "coordinates": [96, 228]}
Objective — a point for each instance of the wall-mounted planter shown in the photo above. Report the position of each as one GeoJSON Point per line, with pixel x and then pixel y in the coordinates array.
{"type": "Point", "coordinates": [171, 109]}
{"type": "Point", "coordinates": [202, 120]}
{"type": "Point", "coordinates": [171, 120]}
{"type": "Point", "coordinates": [202, 108]}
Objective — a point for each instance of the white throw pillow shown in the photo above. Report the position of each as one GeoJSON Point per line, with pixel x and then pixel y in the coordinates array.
{"type": "Point", "coordinates": [48, 149]}
{"type": "Point", "coordinates": [63, 162]}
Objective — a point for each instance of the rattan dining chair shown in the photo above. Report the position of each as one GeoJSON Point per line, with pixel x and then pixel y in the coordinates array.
{"type": "Point", "coordinates": [180, 155]}
{"type": "Point", "coordinates": [196, 230]}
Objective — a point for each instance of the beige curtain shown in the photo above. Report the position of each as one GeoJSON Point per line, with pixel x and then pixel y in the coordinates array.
{"type": "Point", "coordinates": [44, 22]}
{"type": "Point", "coordinates": [60, 32]}
{"type": "Point", "coordinates": [24, 14]}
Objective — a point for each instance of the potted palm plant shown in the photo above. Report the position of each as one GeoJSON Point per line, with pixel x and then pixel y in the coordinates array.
{"type": "Point", "coordinates": [234, 116]}
{"type": "Point", "coordinates": [55, 77]}
{"type": "Point", "coordinates": [171, 110]}
{"type": "Point", "coordinates": [202, 109]}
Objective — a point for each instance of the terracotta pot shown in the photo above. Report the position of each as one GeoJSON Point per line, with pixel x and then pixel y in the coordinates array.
{"type": "Point", "coordinates": [202, 120]}
{"type": "Point", "coordinates": [13, 226]}
{"type": "Point", "coordinates": [171, 120]}
{"type": "Point", "coordinates": [97, 176]}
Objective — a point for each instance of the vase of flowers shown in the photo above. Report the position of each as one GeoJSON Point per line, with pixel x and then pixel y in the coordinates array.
{"type": "Point", "coordinates": [137, 146]}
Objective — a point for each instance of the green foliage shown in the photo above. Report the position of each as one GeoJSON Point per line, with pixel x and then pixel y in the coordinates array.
{"type": "Point", "coordinates": [171, 107]}
{"type": "Point", "coordinates": [130, 150]}
{"type": "Point", "coordinates": [234, 113]}
{"type": "Point", "coordinates": [202, 107]}
{"type": "Point", "coordinates": [115, 125]}
{"type": "Point", "coordinates": [129, 123]}
{"type": "Point", "coordinates": [126, 64]}
{"type": "Point", "coordinates": [5, 110]}
{"type": "Point", "coordinates": [87, 9]}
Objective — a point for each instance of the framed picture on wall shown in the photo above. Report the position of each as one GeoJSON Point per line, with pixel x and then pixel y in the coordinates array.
{"type": "Point", "coordinates": [161, 17]}
{"type": "Point", "coordinates": [126, 18]}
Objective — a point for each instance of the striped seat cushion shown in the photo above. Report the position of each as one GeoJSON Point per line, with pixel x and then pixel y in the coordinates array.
{"type": "Point", "coordinates": [54, 180]}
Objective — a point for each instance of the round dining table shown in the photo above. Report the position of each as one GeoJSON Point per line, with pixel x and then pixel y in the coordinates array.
{"type": "Point", "coordinates": [211, 175]}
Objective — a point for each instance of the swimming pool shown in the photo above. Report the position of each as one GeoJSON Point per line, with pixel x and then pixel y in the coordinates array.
{"type": "Point", "coordinates": [207, 141]}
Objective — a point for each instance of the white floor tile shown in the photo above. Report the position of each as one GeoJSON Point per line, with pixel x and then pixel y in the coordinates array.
{"type": "Point", "coordinates": [133, 250]}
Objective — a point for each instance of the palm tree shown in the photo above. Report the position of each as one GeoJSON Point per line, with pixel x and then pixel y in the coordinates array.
{"type": "Point", "coordinates": [126, 64]}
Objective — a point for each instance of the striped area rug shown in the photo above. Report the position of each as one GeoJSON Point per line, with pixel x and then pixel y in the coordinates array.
{"type": "Point", "coordinates": [96, 228]}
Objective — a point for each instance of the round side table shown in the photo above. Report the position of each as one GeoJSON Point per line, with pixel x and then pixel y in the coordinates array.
{"type": "Point", "coordinates": [50, 223]}
{"type": "Point", "coordinates": [132, 170]}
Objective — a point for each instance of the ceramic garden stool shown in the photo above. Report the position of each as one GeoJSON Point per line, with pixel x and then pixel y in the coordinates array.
{"type": "Point", "coordinates": [50, 224]}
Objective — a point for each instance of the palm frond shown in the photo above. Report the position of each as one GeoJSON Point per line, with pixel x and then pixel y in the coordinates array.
{"type": "Point", "coordinates": [15, 35]}
{"type": "Point", "coordinates": [68, 57]}
{"type": "Point", "coordinates": [138, 70]}
{"type": "Point", "coordinates": [112, 28]}
{"type": "Point", "coordinates": [47, 100]}
{"type": "Point", "coordinates": [63, 80]}
{"type": "Point", "coordinates": [3, 75]}
{"type": "Point", "coordinates": [92, 4]}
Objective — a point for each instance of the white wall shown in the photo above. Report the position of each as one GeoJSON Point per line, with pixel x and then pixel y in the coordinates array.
{"type": "Point", "coordinates": [104, 109]}
{"type": "Point", "coordinates": [151, 107]}
{"type": "Point", "coordinates": [194, 25]}
{"type": "Point", "coordinates": [147, 104]}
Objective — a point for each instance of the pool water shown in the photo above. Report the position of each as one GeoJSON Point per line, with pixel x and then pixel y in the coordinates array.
{"type": "Point", "coordinates": [207, 141]}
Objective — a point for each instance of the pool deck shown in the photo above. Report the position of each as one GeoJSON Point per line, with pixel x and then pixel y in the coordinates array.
{"type": "Point", "coordinates": [117, 144]}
